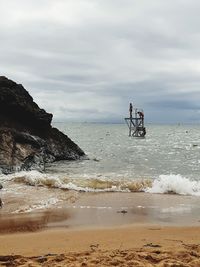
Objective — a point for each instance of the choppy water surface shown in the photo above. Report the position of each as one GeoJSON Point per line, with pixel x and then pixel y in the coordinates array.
{"type": "Point", "coordinates": [165, 150]}
{"type": "Point", "coordinates": [166, 161]}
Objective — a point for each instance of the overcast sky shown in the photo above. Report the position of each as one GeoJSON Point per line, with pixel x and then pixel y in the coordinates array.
{"type": "Point", "coordinates": [85, 60]}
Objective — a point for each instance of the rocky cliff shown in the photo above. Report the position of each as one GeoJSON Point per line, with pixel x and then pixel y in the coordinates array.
{"type": "Point", "coordinates": [27, 139]}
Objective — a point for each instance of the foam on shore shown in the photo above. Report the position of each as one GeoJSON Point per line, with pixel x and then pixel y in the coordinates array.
{"type": "Point", "coordinates": [164, 184]}
{"type": "Point", "coordinates": [174, 184]}
{"type": "Point", "coordinates": [84, 184]}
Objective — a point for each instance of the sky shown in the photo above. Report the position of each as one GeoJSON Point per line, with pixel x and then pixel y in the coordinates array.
{"type": "Point", "coordinates": [86, 60]}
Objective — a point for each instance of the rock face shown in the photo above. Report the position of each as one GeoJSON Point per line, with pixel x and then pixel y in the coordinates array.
{"type": "Point", "coordinates": [27, 139]}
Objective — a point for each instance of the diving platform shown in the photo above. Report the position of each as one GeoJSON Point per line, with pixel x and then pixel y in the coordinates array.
{"type": "Point", "coordinates": [135, 122]}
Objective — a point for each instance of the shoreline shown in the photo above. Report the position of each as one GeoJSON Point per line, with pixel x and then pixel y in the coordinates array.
{"type": "Point", "coordinates": [90, 210]}
{"type": "Point", "coordinates": [81, 210]}
{"type": "Point", "coordinates": [103, 229]}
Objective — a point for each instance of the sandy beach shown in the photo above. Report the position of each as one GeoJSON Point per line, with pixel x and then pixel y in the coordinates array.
{"type": "Point", "coordinates": [108, 229]}
{"type": "Point", "coordinates": [121, 246]}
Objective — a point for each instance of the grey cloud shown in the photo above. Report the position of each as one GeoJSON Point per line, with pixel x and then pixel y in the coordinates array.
{"type": "Point", "coordinates": [175, 105]}
{"type": "Point", "coordinates": [100, 55]}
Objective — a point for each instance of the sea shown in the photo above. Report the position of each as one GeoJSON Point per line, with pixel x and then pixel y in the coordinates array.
{"type": "Point", "coordinates": [166, 161]}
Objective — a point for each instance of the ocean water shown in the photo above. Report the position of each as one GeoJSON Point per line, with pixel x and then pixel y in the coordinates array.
{"type": "Point", "coordinates": [166, 150]}
{"type": "Point", "coordinates": [167, 161]}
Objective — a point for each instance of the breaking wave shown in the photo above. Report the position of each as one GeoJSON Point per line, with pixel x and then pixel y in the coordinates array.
{"type": "Point", "coordinates": [35, 178]}
{"type": "Point", "coordinates": [174, 184]}
{"type": "Point", "coordinates": [164, 184]}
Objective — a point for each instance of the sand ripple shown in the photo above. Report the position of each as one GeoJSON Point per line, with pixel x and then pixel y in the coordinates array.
{"type": "Point", "coordinates": [189, 255]}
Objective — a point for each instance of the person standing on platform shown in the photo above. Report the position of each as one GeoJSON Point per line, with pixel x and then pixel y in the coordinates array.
{"type": "Point", "coordinates": [131, 109]}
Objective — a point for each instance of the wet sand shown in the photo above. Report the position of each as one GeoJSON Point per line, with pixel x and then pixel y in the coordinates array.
{"type": "Point", "coordinates": [79, 209]}
{"type": "Point", "coordinates": [104, 229]}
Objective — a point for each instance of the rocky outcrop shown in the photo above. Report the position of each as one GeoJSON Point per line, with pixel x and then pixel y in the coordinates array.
{"type": "Point", "coordinates": [27, 139]}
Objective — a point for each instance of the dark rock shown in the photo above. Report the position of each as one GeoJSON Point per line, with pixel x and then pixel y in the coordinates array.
{"type": "Point", "coordinates": [122, 211]}
{"type": "Point", "coordinates": [41, 259]}
{"type": "Point", "coordinates": [152, 245]}
{"type": "Point", "coordinates": [27, 139]}
{"type": "Point", "coordinates": [1, 203]}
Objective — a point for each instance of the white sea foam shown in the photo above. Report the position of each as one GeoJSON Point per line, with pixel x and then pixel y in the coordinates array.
{"type": "Point", "coordinates": [43, 204]}
{"type": "Point", "coordinates": [174, 184]}
{"type": "Point", "coordinates": [165, 184]}
{"type": "Point", "coordinates": [91, 207]}
{"type": "Point", "coordinates": [176, 210]}
{"type": "Point", "coordinates": [85, 184]}
{"type": "Point", "coordinates": [72, 186]}
{"type": "Point", "coordinates": [35, 178]}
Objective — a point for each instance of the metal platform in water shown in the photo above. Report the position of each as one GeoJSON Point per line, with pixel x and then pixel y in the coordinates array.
{"type": "Point", "coordinates": [135, 122]}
